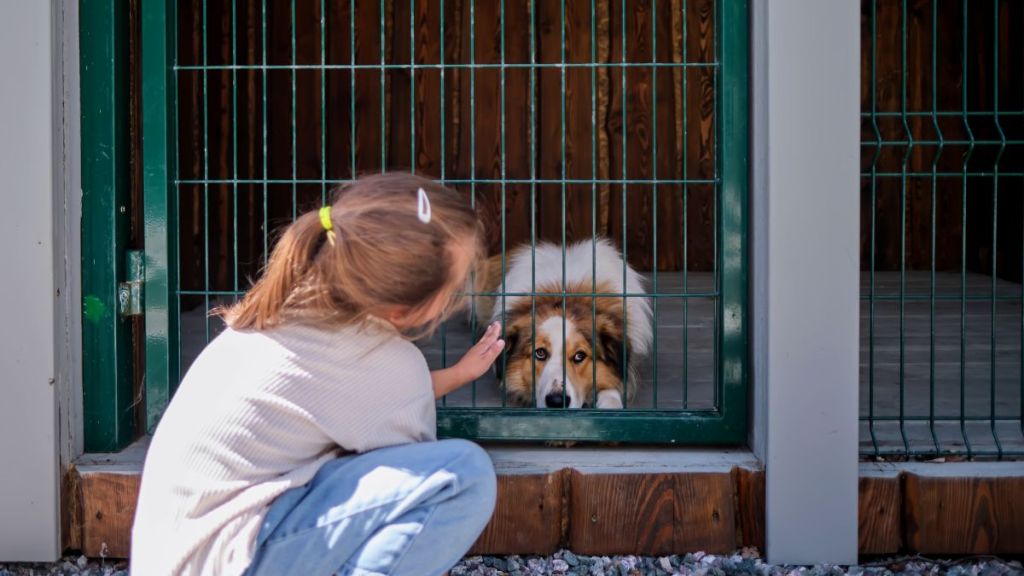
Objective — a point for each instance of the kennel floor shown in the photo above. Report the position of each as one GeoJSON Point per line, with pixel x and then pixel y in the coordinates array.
{"type": "Point", "coordinates": [682, 373]}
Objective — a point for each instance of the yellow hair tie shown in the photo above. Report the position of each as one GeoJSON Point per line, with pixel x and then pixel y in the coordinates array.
{"type": "Point", "coordinates": [325, 221]}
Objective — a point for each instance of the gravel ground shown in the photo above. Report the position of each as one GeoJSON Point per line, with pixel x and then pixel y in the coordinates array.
{"type": "Point", "coordinates": [565, 563]}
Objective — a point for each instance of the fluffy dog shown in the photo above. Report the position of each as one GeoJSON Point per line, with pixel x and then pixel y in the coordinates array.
{"type": "Point", "coordinates": [561, 340]}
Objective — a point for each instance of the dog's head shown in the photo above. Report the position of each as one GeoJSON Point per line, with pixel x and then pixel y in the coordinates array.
{"type": "Point", "coordinates": [571, 358]}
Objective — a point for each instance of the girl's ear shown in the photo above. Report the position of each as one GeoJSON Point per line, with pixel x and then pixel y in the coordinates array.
{"type": "Point", "coordinates": [398, 316]}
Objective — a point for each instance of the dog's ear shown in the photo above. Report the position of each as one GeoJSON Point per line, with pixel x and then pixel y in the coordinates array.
{"type": "Point", "coordinates": [511, 342]}
{"type": "Point", "coordinates": [614, 348]}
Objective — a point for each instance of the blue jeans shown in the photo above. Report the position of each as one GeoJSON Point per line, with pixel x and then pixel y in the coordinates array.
{"type": "Point", "coordinates": [414, 509]}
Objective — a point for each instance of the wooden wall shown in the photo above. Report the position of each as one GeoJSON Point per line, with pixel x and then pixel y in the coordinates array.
{"type": "Point", "coordinates": [916, 78]}
{"type": "Point", "coordinates": [685, 124]}
{"type": "Point", "coordinates": [322, 145]}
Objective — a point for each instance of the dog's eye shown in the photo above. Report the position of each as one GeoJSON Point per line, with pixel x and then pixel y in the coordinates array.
{"type": "Point", "coordinates": [579, 357]}
{"type": "Point", "coordinates": [541, 354]}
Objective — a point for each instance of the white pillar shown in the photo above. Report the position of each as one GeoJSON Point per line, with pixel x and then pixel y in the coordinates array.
{"type": "Point", "coordinates": [30, 156]}
{"type": "Point", "coordinates": [805, 238]}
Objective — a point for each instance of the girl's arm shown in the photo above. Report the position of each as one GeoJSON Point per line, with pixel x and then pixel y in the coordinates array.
{"type": "Point", "coordinates": [472, 365]}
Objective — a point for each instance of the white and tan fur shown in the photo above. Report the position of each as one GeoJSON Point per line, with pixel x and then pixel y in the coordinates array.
{"type": "Point", "coordinates": [623, 332]}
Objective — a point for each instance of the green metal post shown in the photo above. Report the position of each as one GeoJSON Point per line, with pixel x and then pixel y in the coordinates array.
{"type": "Point", "coordinates": [159, 156]}
{"type": "Point", "coordinates": [106, 336]}
{"type": "Point", "coordinates": [733, 130]}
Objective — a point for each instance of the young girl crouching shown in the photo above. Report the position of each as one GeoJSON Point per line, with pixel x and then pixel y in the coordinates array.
{"type": "Point", "coordinates": [303, 439]}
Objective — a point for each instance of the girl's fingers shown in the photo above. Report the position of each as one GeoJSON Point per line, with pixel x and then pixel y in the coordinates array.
{"type": "Point", "coordinates": [494, 350]}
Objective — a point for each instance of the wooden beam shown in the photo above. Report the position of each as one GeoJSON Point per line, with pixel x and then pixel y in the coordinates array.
{"type": "Point", "coordinates": [661, 513]}
{"type": "Point", "coordinates": [529, 517]}
{"type": "Point", "coordinates": [880, 515]}
{"type": "Point", "coordinates": [108, 509]}
{"type": "Point", "coordinates": [965, 515]}
{"type": "Point", "coordinates": [750, 507]}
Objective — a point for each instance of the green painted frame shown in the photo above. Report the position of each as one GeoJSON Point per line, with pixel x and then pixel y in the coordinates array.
{"type": "Point", "coordinates": [159, 159]}
{"type": "Point", "coordinates": [106, 336]}
{"type": "Point", "coordinates": [725, 425]}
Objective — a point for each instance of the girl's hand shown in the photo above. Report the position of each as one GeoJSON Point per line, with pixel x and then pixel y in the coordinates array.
{"type": "Point", "coordinates": [481, 356]}
{"type": "Point", "coordinates": [472, 365]}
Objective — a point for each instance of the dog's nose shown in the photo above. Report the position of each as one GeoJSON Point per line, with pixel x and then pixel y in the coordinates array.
{"type": "Point", "coordinates": [556, 400]}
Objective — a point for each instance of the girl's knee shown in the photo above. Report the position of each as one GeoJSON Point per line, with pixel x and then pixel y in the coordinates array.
{"type": "Point", "coordinates": [474, 468]}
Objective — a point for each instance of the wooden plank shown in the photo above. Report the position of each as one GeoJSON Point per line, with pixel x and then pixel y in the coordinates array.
{"type": "Point", "coordinates": [964, 515]}
{"type": "Point", "coordinates": [529, 517]}
{"type": "Point", "coordinates": [621, 513]}
{"type": "Point", "coordinates": [750, 508]}
{"type": "Point", "coordinates": [108, 509]}
{"type": "Point", "coordinates": [880, 524]}
{"type": "Point", "coordinates": [71, 510]}
{"type": "Point", "coordinates": [705, 513]}
{"type": "Point", "coordinates": [651, 513]}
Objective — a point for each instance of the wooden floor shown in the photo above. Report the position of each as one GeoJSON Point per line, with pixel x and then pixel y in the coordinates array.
{"type": "Point", "coordinates": [686, 370]}
{"type": "Point", "coordinates": [932, 382]}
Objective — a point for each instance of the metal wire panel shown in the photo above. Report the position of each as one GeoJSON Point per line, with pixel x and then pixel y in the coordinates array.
{"type": "Point", "coordinates": [560, 121]}
{"type": "Point", "coordinates": [942, 185]}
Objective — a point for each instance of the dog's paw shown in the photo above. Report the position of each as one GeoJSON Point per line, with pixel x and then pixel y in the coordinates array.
{"type": "Point", "coordinates": [609, 400]}
{"type": "Point", "coordinates": [560, 443]}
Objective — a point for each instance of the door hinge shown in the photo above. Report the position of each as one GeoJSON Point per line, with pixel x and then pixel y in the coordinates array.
{"type": "Point", "coordinates": [129, 292]}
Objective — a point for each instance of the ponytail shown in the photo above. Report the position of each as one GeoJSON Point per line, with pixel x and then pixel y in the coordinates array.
{"type": "Point", "coordinates": [389, 251]}
{"type": "Point", "coordinates": [291, 258]}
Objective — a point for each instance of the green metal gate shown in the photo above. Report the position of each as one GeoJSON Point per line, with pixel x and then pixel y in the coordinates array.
{"type": "Point", "coordinates": [613, 118]}
{"type": "Point", "coordinates": [942, 245]}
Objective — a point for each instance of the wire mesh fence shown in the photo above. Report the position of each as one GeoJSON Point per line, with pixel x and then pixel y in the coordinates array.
{"type": "Point", "coordinates": [563, 122]}
{"type": "Point", "coordinates": [942, 180]}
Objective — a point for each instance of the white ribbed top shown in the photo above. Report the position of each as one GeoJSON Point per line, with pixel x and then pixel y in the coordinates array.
{"type": "Point", "coordinates": [257, 414]}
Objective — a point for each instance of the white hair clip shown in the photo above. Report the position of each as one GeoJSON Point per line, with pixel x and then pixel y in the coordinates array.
{"type": "Point", "coordinates": [423, 207]}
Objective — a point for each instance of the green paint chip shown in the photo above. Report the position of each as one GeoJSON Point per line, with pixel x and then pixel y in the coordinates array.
{"type": "Point", "coordinates": [93, 309]}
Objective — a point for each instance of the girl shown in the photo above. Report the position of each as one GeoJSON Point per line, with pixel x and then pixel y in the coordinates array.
{"type": "Point", "coordinates": [302, 440]}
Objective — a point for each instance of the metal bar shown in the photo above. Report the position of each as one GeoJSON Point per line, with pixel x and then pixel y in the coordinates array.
{"type": "Point", "coordinates": [935, 164]}
{"type": "Point", "coordinates": [732, 123]}
{"type": "Point", "coordinates": [624, 97]}
{"type": "Point", "coordinates": [265, 181]}
{"type": "Point", "coordinates": [716, 236]}
{"type": "Point", "coordinates": [533, 208]}
{"type": "Point", "coordinates": [561, 31]}
{"type": "Point", "coordinates": [294, 111]}
{"type": "Point", "coordinates": [903, 222]}
{"type": "Point", "coordinates": [627, 426]}
{"type": "Point", "coordinates": [995, 224]}
{"type": "Point", "coordinates": [323, 102]}
{"type": "Point", "coordinates": [963, 245]}
{"type": "Point", "coordinates": [593, 204]}
{"type": "Point", "coordinates": [504, 174]}
{"type": "Point", "coordinates": [654, 193]}
{"type": "Point", "coordinates": [553, 181]}
{"type": "Point", "coordinates": [450, 66]}
{"type": "Point", "coordinates": [412, 89]}
{"type": "Point", "coordinates": [352, 87]}
{"type": "Point", "coordinates": [948, 418]}
{"type": "Point", "coordinates": [383, 92]}
{"type": "Point", "coordinates": [206, 186]}
{"type": "Point", "coordinates": [234, 142]}
{"type": "Point", "coordinates": [686, 231]}
{"type": "Point", "coordinates": [874, 222]}
{"type": "Point", "coordinates": [106, 345]}
{"type": "Point", "coordinates": [159, 161]}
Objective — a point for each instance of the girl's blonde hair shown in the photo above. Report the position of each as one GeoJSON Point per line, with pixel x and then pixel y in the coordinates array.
{"type": "Point", "coordinates": [385, 253]}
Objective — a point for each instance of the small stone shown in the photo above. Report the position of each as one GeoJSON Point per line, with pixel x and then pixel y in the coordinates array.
{"type": "Point", "coordinates": [559, 565]}
{"type": "Point", "coordinates": [82, 562]}
{"type": "Point", "coordinates": [571, 558]}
